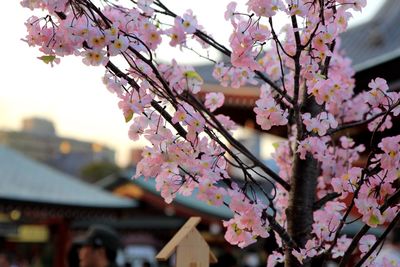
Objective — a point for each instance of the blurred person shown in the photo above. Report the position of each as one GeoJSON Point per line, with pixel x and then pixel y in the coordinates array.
{"type": "Point", "coordinates": [226, 260]}
{"type": "Point", "coordinates": [98, 247]}
{"type": "Point", "coordinates": [23, 263]}
{"type": "Point", "coordinates": [37, 262]}
{"type": "Point", "coordinates": [146, 264]}
{"type": "Point", "coordinates": [73, 255]}
{"type": "Point", "coordinates": [5, 260]}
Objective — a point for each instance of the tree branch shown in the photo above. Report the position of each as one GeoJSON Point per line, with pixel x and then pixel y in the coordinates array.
{"type": "Point", "coordinates": [353, 245]}
{"type": "Point", "coordinates": [209, 40]}
{"type": "Point", "coordinates": [181, 131]}
{"type": "Point", "coordinates": [239, 146]}
{"type": "Point", "coordinates": [321, 202]}
{"type": "Point", "coordinates": [380, 240]}
{"type": "Point", "coordinates": [281, 232]}
{"type": "Point", "coordinates": [362, 122]}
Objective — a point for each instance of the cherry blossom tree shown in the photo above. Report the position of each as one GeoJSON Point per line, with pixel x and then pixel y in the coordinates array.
{"type": "Point", "coordinates": [306, 83]}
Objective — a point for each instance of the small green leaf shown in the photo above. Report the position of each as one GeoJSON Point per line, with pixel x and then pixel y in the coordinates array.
{"type": "Point", "coordinates": [320, 75]}
{"type": "Point", "coordinates": [47, 58]}
{"type": "Point", "coordinates": [373, 220]}
{"type": "Point", "coordinates": [128, 115]}
{"type": "Point", "coordinates": [193, 75]}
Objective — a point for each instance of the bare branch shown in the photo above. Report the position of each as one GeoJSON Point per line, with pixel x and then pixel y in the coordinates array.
{"type": "Point", "coordinates": [321, 202]}
{"type": "Point", "coordinates": [353, 245]}
{"type": "Point", "coordinates": [362, 122]}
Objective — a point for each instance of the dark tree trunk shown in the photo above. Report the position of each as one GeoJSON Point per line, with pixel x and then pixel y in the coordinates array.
{"type": "Point", "coordinates": [303, 183]}
{"type": "Point", "coordinates": [301, 198]}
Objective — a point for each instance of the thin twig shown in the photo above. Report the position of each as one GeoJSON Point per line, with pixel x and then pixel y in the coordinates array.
{"type": "Point", "coordinates": [380, 240]}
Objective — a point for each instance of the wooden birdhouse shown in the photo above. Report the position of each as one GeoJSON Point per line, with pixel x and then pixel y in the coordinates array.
{"type": "Point", "coordinates": [190, 247]}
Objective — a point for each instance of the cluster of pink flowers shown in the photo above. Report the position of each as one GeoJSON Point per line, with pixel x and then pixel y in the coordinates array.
{"type": "Point", "coordinates": [181, 78]}
{"type": "Point", "coordinates": [184, 153]}
{"type": "Point", "coordinates": [233, 76]}
{"type": "Point", "coordinates": [214, 100]}
{"type": "Point", "coordinates": [268, 113]}
{"type": "Point", "coordinates": [247, 224]}
{"type": "Point", "coordinates": [50, 5]}
{"type": "Point", "coordinates": [320, 124]}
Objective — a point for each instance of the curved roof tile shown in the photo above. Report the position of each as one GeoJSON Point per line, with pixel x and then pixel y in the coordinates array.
{"type": "Point", "coordinates": [367, 44]}
{"type": "Point", "coordinates": [23, 179]}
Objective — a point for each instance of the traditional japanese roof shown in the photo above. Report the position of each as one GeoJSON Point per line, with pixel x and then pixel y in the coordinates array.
{"type": "Point", "coordinates": [25, 180]}
{"type": "Point", "coordinates": [375, 41]}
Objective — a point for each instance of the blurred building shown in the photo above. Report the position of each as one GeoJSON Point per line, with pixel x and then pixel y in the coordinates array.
{"type": "Point", "coordinates": [42, 210]}
{"type": "Point", "coordinates": [38, 139]}
{"type": "Point", "coordinates": [38, 204]}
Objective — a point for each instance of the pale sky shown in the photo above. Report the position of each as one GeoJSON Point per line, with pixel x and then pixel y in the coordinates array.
{"type": "Point", "coordinates": [71, 94]}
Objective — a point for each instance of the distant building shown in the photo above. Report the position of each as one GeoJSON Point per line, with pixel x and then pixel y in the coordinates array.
{"type": "Point", "coordinates": [38, 139]}
{"type": "Point", "coordinates": [38, 204]}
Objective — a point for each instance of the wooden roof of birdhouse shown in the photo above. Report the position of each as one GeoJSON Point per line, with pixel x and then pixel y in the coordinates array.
{"type": "Point", "coordinates": [184, 231]}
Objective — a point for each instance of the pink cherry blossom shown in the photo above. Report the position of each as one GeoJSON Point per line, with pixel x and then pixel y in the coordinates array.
{"type": "Point", "coordinates": [391, 148]}
{"type": "Point", "coordinates": [274, 259]}
{"type": "Point", "coordinates": [387, 121]}
{"type": "Point", "coordinates": [342, 245]}
{"type": "Point", "coordinates": [266, 8]}
{"type": "Point", "coordinates": [145, 5]}
{"type": "Point", "coordinates": [320, 124]}
{"type": "Point", "coordinates": [229, 124]}
{"type": "Point", "coordinates": [268, 113]}
{"type": "Point", "coordinates": [214, 100]}
{"type": "Point", "coordinates": [94, 57]}
{"type": "Point", "coordinates": [118, 46]}
{"type": "Point", "coordinates": [189, 22]}
{"type": "Point", "coordinates": [177, 35]}
{"type": "Point", "coordinates": [230, 11]}
{"type": "Point", "coordinates": [366, 242]}
{"type": "Point", "coordinates": [377, 95]}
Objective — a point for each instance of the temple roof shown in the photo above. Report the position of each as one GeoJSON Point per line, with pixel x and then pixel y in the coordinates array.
{"type": "Point", "coordinates": [25, 180]}
{"type": "Point", "coordinates": [375, 41]}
